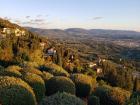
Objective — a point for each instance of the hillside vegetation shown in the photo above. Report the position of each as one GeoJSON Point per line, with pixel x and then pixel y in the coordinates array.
{"type": "Point", "coordinates": [36, 70]}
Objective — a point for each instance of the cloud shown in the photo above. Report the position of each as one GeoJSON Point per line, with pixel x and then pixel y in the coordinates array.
{"type": "Point", "coordinates": [34, 22]}
{"type": "Point", "coordinates": [17, 21]}
{"type": "Point", "coordinates": [7, 18]}
{"type": "Point", "coordinates": [97, 18]}
{"type": "Point", "coordinates": [38, 16]}
{"type": "Point", "coordinates": [46, 15]}
{"type": "Point", "coordinates": [39, 20]}
{"type": "Point", "coordinates": [27, 17]}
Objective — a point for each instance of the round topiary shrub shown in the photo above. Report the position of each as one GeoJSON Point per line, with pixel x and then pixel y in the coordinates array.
{"type": "Point", "coordinates": [14, 91]}
{"type": "Point", "coordinates": [103, 93]}
{"type": "Point", "coordinates": [14, 67]}
{"type": "Point", "coordinates": [59, 84]}
{"type": "Point", "coordinates": [46, 76]}
{"type": "Point", "coordinates": [55, 70]}
{"type": "Point", "coordinates": [112, 96]}
{"type": "Point", "coordinates": [63, 99]}
{"type": "Point", "coordinates": [10, 72]}
{"type": "Point", "coordinates": [134, 99]}
{"type": "Point", "coordinates": [32, 70]}
{"type": "Point", "coordinates": [37, 84]}
{"type": "Point", "coordinates": [1, 67]}
{"type": "Point", "coordinates": [83, 83]}
{"type": "Point", "coordinates": [29, 64]}
{"type": "Point", "coordinates": [93, 100]}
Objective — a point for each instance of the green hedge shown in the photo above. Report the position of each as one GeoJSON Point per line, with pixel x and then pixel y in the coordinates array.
{"type": "Point", "coordinates": [59, 84]}
{"type": "Point", "coordinates": [14, 91]}
{"type": "Point", "coordinates": [62, 99]}
{"type": "Point", "coordinates": [37, 83]}
{"type": "Point", "coordinates": [83, 83]}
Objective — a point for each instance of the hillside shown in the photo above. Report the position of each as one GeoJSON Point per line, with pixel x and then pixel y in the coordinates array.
{"type": "Point", "coordinates": [68, 68]}
{"type": "Point", "coordinates": [17, 44]}
{"type": "Point", "coordinates": [109, 44]}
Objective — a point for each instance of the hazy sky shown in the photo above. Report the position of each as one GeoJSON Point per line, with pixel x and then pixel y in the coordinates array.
{"type": "Point", "coordinates": [105, 14]}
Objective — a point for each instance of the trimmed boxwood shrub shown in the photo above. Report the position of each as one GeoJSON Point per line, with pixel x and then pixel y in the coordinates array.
{"type": "Point", "coordinates": [59, 84]}
{"type": "Point", "coordinates": [83, 83]}
{"type": "Point", "coordinates": [14, 91]}
{"type": "Point", "coordinates": [32, 70]}
{"type": "Point", "coordinates": [37, 83]}
{"type": "Point", "coordinates": [103, 93]}
{"type": "Point", "coordinates": [1, 67]}
{"type": "Point", "coordinates": [46, 76]}
{"type": "Point", "coordinates": [29, 64]}
{"type": "Point", "coordinates": [134, 99]}
{"type": "Point", "coordinates": [112, 95]}
{"type": "Point", "coordinates": [55, 70]}
{"type": "Point", "coordinates": [63, 99]}
{"type": "Point", "coordinates": [14, 67]}
{"type": "Point", "coordinates": [93, 100]}
{"type": "Point", "coordinates": [10, 72]}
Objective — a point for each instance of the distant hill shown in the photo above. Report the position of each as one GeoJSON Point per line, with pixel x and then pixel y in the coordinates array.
{"type": "Point", "coordinates": [113, 34]}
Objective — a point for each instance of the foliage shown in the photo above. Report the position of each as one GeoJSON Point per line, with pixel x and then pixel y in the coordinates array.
{"type": "Point", "coordinates": [83, 83]}
{"type": "Point", "coordinates": [59, 57]}
{"type": "Point", "coordinates": [111, 96]}
{"type": "Point", "coordinates": [59, 84]}
{"type": "Point", "coordinates": [102, 93]}
{"type": "Point", "coordinates": [37, 83]}
{"type": "Point", "coordinates": [136, 85]}
{"type": "Point", "coordinates": [134, 99]}
{"type": "Point", "coordinates": [119, 96]}
{"type": "Point", "coordinates": [14, 67]}
{"type": "Point", "coordinates": [32, 70]}
{"type": "Point", "coordinates": [14, 91]}
{"type": "Point", "coordinates": [1, 67]}
{"type": "Point", "coordinates": [6, 53]}
{"type": "Point", "coordinates": [91, 72]}
{"type": "Point", "coordinates": [37, 56]}
{"type": "Point", "coordinates": [62, 99]}
{"type": "Point", "coordinates": [116, 75]}
{"type": "Point", "coordinates": [109, 72]}
{"type": "Point", "coordinates": [46, 76]}
{"type": "Point", "coordinates": [124, 79]}
{"type": "Point", "coordinates": [10, 72]}
{"type": "Point", "coordinates": [101, 83]}
{"type": "Point", "coordinates": [15, 50]}
{"type": "Point", "coordinates": [56, 70]}
{"type": "Point", "coordinates": [29, 64]}
{"type": "Point", "coordinates": [93, 100]}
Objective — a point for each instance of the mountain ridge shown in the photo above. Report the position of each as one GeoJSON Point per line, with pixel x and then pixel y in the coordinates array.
{"type": "Point", "coordinates": [90, 32]}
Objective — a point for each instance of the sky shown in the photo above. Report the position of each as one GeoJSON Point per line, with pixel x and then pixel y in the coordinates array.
{"type": "Point", "coordinates": [62, 14]}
